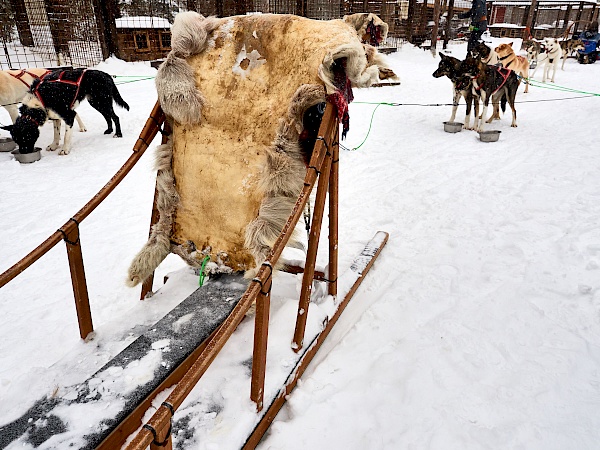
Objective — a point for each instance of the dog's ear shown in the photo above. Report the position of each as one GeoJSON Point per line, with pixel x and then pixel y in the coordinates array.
{"type": "Point", "coordinates": [22, 109]}
{"type": "Point", "coordinates": [510, 43]}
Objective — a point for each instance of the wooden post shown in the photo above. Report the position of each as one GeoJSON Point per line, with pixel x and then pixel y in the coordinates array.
{"type": "Point", "coordinates": [578, 19]}
{"type": "Point", "coordinates": [529, 20]}
{"type": "Point", "coordinates": [448, 23]}
{"type": "Point", "coordinates": [82, 302]}
{"type": "Point", "coordinates": [311, 256]}
{"type": "Point", "coordinates": [436, 24]}
{"type": "Point", "coordinates": [566, 20]}
{"type": "Point", "coordinates": [334, 180]}
{"type": "Point", "coordinates": [261, 334]}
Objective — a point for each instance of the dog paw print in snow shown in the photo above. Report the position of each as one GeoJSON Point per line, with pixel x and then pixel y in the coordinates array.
{"type": "Point", "coordinates": [245, 62]}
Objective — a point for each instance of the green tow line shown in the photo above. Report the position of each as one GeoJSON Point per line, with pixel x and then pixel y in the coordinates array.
{"type": "Point", "coordinates": [204, 261]}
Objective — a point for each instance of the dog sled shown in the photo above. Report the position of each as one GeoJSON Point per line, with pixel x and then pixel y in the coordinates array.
{"type": "Point", "coordinates": [239, 162]}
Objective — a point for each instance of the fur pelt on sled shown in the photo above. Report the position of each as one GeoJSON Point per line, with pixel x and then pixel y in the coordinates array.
{"type": "Point", "coordinates": [235, 90]}
{"type": "Point", "coordinates": [361, 21]}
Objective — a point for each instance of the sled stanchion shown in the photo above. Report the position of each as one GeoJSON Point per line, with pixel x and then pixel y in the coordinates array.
{"type": "Point", "coordinates": [365, 261]}
{"type": "Point", "coordinates": [80, 292]}
{"type": "Point", "coordinates": [311, 256]}
{"type": "Point", "coordinates": [334, 179]}
{"type": "Point", "coordinates": [148, 282]}
{"type": "Point", "coordinates": [261, 334]}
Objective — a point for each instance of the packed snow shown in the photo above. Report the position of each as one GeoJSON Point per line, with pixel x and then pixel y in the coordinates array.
{"type": "Point", "coordinates": [477, 327]}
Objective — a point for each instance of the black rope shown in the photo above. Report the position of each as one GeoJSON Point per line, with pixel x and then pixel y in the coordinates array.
{"type": "Point", "coordinates": [321, 138]}
{"type": "Point", "coordinates": [270, 266]}
{"type": "Point", "coordinates": [259, 281]}
{"type": "Point", "coordinates": [328, 281]}
{"type": "Point", "coordinates": [144, 141]}
{"type": "Point", "coordinates": [262, 287]}
{"type": "Point", "coordinates": [170, 407]}
{"type": "Point", "coordinates": [162, 131]}
{"type": "Point", "coordinates": [65, 234]}
{"type": "Point", "coordinates": [155, 436]}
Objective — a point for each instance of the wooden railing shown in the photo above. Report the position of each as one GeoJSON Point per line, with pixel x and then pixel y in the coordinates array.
{"type": "Point", "coordinates": [69, 232]}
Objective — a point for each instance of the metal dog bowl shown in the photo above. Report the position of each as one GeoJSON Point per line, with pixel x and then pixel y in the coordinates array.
{"type": "Point", "coordinates": [489, 136]}
{"type": "Point", "coordinates": [25, 158]}
{"type": "Point", "coordinates": [452, 127]}
{"type": "Point", "coordinates": [7, 145]}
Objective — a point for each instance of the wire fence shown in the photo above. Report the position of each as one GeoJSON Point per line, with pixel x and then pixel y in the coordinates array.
{"type": "Point", "coordinates": [82, 33]}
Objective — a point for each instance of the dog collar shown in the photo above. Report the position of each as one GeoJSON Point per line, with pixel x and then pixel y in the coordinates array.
{"type": "Point", "coordinates": [31, 119]}
{"type": "Point", "coordinates": [504, 57]}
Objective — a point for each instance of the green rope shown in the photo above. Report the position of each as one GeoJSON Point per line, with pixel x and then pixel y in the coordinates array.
{"type": "Point", "coordinates": [133, 81]}
{"type": "Point", "coordinates": [371, 122]}
{"type": "Point", "coordinates": [204, 261]}
{"type": "Point", "coordinates": [556, 87]}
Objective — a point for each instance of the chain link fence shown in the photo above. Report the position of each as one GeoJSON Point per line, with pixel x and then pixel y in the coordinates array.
{"type": "Point", "coordinates": [82, 33]}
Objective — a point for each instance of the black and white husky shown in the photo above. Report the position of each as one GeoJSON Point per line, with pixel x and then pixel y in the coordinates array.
{"type": "Point", "coordinates": [462, 87]}
{"type": "Point", "coordinates": [55, 96]}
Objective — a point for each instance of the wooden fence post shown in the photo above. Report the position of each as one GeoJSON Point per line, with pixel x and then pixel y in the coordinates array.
{"type": "Point", "coordinates": [82, 303]}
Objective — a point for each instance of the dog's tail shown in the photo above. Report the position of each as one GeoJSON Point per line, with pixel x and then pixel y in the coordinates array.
{"type": "Point", "coordinates": [118, 99]}
{"type": "Point", "coordinates": [503, 101]}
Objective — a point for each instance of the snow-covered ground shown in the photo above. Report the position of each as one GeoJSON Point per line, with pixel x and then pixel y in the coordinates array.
{"type": "Point", "coordinates": [477, 328]}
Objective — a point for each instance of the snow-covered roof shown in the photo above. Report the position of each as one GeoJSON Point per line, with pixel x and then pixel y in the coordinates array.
{"type": "Point", "coordinates": [142, 22]}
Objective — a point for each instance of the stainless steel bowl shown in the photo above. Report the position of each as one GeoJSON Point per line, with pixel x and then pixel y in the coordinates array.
{"type": "Point", "coordinates": [7, 145]}
{"type": "Point", "coordinates": [27, 158]}
{"type": "Point", "coordinates": [452, 127]}
{"type": "Point", "coordinates": [489, 136]}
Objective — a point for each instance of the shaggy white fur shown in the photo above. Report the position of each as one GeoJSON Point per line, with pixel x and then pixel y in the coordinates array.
{"type": "Point", "coordinates": [281, 179]}
{"type": "Point", "coordinates": [159, 245]}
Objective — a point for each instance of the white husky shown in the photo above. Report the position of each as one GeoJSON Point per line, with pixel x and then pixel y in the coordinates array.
{"type": "Point", "coordinates": [550, 59]}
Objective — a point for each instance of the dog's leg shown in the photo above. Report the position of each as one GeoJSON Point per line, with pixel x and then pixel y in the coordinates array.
{"type": "Point", "coordinates": [476, 109]}
{"type": "Point", "coordinates": [67, 141]}
{"type": "Point", "coordinates": [525, 76]}
{"type": "Point", "coordinates": [455, 101]}
{"type": "Point", "coordinates": [82, 127]}
{"type": "Point", "coordinates": [468, 101]}
{"type": "Point", "coordinates": [56, 141]}
{"type": "Point", "coordinates": [554, 66]}
{"type": "Point", "coordinates": [511, 102]}
{"type": "Point", "coordinates": [117, 125]}
{"type": "Point", "coordinates": [486, 101]}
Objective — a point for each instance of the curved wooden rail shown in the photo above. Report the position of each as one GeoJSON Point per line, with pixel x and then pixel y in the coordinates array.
{"type": "Point", "coordinates": [70, 230]}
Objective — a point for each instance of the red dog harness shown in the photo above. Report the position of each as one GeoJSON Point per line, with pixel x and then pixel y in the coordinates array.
{"type": "Point", "coordinates": [59, 80]}
{"type": "Point", "coordinates": [19, 76]}
{"type": "Point", "coordinates": [503, 72]}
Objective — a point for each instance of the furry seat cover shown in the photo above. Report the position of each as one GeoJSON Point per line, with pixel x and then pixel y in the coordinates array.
{"type": "Point", "coordinates": [235, 90]}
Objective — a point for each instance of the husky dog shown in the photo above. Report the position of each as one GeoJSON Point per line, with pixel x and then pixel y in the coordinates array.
{"type": "Point", "coordinates": [493, 83]}
{"type": "Point", "coordinates": [550, 58]}
{"type": "Point", "coordinates": [462, 87]}
{"type": "Point", "coordinates": [55, 97]}
{"type": "Point", "coordinates": [511, 61]}
{"type": "Point", "coordinates": [533, 49]}
{"type": "Point", "coordinates": [488, 55]}
{"type": "Point", "coordinates": [14, 85]}
{"type": "Point", "coordinates": [570, 47]}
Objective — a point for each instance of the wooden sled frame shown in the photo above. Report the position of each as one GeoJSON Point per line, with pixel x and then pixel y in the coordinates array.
{"type": "Point", "coordinates": [323, 167]}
